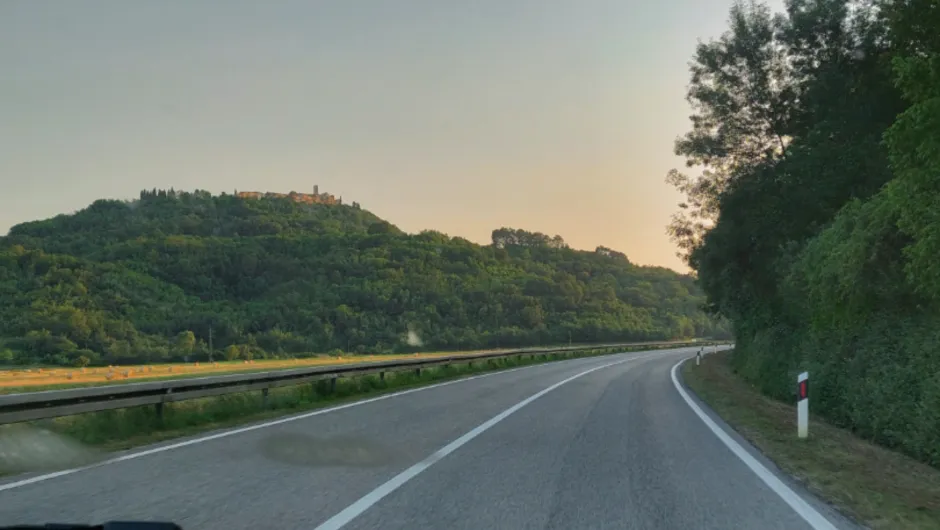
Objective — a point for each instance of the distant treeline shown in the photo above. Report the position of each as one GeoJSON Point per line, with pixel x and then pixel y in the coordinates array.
{"type": "Point", "coordinates": [164, 276]}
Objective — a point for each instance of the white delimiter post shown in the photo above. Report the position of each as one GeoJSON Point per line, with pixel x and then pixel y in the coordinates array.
{"type": "Point", "coordinates": [802, 405]}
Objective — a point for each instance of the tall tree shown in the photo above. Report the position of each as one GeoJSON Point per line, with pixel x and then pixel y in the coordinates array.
{"type": "Point", "coordinates": [743, 97]}
{"type": "Point", "coordinates": [914, 140]}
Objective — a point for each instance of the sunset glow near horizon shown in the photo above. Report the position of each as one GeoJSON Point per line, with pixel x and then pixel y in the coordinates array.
{"type": "Point", "coordinates": [557, 117]}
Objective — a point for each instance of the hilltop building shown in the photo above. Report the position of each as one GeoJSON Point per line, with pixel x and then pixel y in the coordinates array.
{"type": "Point", "coordinates": [307, 198]}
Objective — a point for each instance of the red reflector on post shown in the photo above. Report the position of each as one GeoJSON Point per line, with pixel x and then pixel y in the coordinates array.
{"type": "Point", "coordinates": [804, 389]}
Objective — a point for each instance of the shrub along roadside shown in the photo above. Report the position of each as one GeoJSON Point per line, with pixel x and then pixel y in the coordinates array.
{"type": "Point", "coordinates": [879, 487]}
{"type": "Point", "coordinates": [126, 428]}
{"type": "Point", "coordinates": [824, 242]}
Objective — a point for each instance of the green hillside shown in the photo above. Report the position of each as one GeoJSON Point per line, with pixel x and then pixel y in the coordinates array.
{"type": "Point", "coordinates": [149, 280]}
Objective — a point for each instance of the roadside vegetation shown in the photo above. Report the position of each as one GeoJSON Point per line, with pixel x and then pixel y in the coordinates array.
{"type": "Point", "coordinates": [813, 222]}
{"type": "Point", "coordinates": [56, 378]}
{"type": "Point", "coordinates": [38, 379]}
{"type": "Point", "coordinates": [881, 488]}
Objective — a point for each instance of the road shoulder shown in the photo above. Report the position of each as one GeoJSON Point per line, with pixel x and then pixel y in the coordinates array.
{"type": "Point", "coordinates": [867, 483]}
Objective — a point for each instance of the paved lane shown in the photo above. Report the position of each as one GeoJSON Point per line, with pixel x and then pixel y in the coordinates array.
{"type": "Point", "coordinates": [615, 448]}
{"type": "Point", "coordinates": [618, 448]}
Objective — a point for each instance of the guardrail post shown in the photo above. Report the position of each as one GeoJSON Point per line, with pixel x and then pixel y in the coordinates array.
{"type": "Point", "coordinates": [418, 372]}
{"type": "Point", "coordinates": [264, 398]}
{"type": "Point", "coordinates": [332, 385]}
{"type": "Point", "coordinates": [159, 406]}
{"type": "Point", "coordinates": [698, 357]}
{"type": "Point", "coordinates": [381, 376]}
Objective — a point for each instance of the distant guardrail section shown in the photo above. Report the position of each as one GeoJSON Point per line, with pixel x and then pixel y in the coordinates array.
{"type": "Point", "coordinates": [30, 406]}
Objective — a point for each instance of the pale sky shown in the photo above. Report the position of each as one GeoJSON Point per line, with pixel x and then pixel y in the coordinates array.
{"type": "Point", "coordinates": [556, 116]}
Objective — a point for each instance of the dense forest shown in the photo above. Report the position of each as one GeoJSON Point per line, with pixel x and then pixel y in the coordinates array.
{"type": "Point", "coordinates": [182, 275]}
{"type": "Point", "coordinates": [814, 220]}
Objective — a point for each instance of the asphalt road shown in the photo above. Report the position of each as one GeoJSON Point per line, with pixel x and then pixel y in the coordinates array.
{"type": "Point", "coordinates": [544, 447]}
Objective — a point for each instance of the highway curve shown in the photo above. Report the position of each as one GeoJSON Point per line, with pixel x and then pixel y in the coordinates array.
{"type": "Point", "coordinates": [553, 446]}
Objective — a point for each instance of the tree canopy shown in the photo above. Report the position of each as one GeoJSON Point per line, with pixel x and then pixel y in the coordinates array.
{"type": "Point", "coordinates": [814, 221]}
{"type": "Point", "coordinates": [161, 277]}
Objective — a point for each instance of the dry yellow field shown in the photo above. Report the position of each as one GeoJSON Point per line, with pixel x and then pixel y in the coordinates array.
{"type": "Point", "coordinates": [33, 378]}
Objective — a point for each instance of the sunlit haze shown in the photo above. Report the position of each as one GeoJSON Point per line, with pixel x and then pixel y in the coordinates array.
{"type": "Point", "coordinates": [554, 116]}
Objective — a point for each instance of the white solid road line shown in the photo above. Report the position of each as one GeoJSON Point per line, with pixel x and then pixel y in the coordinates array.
{"type": "Point", "coordinates": [800, 506]}
{"type": "Point", "coordinates": [368, 500]}
{"type": "Point", "coordinates": [224, 434]}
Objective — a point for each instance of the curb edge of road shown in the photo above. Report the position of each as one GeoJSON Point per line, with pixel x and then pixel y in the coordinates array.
{"type": "Point", "coordinates": [833, 513]}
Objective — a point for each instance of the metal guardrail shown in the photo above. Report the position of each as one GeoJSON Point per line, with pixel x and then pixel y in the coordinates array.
{"type": "Point", "coordinates": [31, 406]}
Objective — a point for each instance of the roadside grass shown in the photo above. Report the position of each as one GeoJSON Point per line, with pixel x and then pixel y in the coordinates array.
{"type": "Point", "coordinates": [873, 485]}
{"type": "Point", "coordinates": [120, 429]}
{"type": "Point", "coordinates": [58, 378]}
{"type": "Point", "coordinates": [39, 378]}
